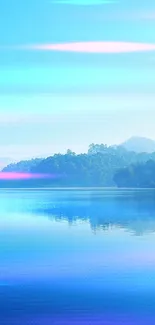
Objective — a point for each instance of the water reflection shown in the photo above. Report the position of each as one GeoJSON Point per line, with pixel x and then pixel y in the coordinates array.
{"type": "Point", "coordinates": [133, 210]}
{"type": "Point", "coordinates": [51, 273]}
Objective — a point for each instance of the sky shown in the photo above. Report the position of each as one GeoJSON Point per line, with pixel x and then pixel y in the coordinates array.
{"type": "Point", "coordinates": [75, 72]}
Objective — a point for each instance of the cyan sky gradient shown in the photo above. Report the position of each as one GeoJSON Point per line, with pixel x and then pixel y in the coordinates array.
{"type": "Point", "coordinates": [54, 100]}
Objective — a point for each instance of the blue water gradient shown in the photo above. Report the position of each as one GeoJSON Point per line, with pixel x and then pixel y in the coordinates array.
{"type": "Point", "coordinates": [77, 257]}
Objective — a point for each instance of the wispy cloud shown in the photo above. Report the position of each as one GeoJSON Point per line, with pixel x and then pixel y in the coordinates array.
{"type": "Point", "coordinates": [147, 15]}
{"type": "Point", "coordinates": [121, 15]}
{"type": "Point", "coordinates": [84, 2]}
{"type": "Point", "coordinates": [132, 15]}
{"type": "Point", "coordinates": [94, 47]}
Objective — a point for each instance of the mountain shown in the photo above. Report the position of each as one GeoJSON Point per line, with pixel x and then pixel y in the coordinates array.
{"type": "Point", "coordinates": [139, 144]}
{"type": "Point", "coordinates": [102, 166]}
{"type": "Point", "coordinates": [94, 169]}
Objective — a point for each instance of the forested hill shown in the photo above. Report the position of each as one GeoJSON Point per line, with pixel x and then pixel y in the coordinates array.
{"type": "Point", "coordinates": [22, 166]}
{"type": "Point", "coordinates": [96, 168]}
{"type": "Point", "coordinates": [140, 175]}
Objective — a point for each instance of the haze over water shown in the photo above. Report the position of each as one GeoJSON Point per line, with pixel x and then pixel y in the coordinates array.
{"type": "Point", "coordinates": [77, 257]}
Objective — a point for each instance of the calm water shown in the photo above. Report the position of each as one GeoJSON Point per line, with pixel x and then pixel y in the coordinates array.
{"type": "Point", "coordinates": [77, 257]}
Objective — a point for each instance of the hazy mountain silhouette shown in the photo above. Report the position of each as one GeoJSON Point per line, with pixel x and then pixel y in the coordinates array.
{"type": "Point", "coordinates": [139, 144]}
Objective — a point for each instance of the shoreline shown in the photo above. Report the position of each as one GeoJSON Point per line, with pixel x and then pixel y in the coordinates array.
{"type": "Point", "coordinates": [76, 188]}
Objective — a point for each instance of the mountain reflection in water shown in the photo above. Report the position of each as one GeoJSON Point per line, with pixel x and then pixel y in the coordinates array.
{"type": "Point", "coordinates": [71, 257]}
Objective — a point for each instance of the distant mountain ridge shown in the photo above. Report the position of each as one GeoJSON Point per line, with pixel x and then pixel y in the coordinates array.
{"type": "Point", "coordinates": [129, 164]}
{"type": "Point", "coordinates": [96, 168]}
{"type": "Point", "coordinates": [139, 144]}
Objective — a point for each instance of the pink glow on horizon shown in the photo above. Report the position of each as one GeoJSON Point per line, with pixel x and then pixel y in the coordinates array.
{"type": "Point", "coordinates": [22, 176]}
{"type": "Point", "coordinates": [94, 47]}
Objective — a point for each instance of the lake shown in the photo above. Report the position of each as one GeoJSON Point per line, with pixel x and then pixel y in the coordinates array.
{"type": "Point", "coordinates": [77, 257]}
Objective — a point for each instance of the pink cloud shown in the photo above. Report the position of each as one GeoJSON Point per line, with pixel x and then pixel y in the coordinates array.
{"type": "Point", "coordinates": [94, 47]}
{"type": "Point", "coordinates": [23, 176]}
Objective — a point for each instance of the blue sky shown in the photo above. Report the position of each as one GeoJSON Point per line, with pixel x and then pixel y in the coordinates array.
{"type": "Point", "coordinates": [51, 100]}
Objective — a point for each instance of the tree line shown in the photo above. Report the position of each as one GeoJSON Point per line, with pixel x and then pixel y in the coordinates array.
{"type": "Point", "coordinates": [101, 166]}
